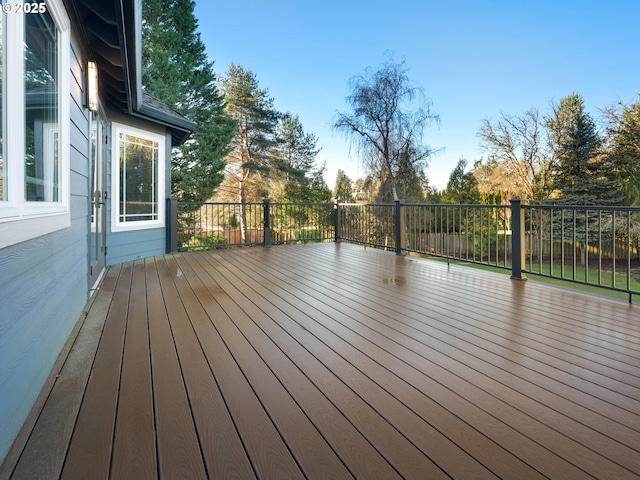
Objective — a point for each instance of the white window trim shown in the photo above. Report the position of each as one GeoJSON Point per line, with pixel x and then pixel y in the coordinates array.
{"type": "Point", "coordinates": [116, 224]}
{"type": "Point", "coordinates": [21, 220]}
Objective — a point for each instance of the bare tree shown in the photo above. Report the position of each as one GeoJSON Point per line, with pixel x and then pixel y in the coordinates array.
{"type": "Point", "coordinates": [382, 124]}
{"type": "Point", "coordinates": [517, 143]}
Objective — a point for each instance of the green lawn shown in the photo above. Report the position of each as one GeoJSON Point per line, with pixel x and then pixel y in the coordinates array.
{"type": "Point", "coordinates": [592, 285]}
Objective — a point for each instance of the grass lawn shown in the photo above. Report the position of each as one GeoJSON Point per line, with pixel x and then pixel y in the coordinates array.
{"type": "Point", "coordinates": [591, 285]}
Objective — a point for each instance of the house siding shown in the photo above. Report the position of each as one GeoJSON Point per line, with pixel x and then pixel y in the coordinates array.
{"type": "Point", "coordinates": [45, 284]}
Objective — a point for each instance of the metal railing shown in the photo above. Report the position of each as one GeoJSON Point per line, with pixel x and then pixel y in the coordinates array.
{"type": "Point", "coordinates": [592, 245]}
{"type": "Point", "coordinates": [598, 246]}
{"type": "Point", "coordinates": [471, 233]}
{"type": "Point", "coordinates": [371, 225]}
{"type": "Point", "coordinates": [211, 225]}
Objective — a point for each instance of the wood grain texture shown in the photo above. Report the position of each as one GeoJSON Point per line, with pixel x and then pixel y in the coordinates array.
{"type": "Point", "coordinates": [179, 453]}
{"type": "Point", "coordinates": [222, 449]}
{"type": "Point", "coordinates": [336, 361]}
{"type": "Point", "coordinates": [134, 448]}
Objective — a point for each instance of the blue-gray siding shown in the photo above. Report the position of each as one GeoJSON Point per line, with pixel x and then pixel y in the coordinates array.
{"type": "Point", "coordinates": [44, 286]}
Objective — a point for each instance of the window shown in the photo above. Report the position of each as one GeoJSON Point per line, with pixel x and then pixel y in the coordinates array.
{"type": "Point", "coordinates": [34, 144]}
{"type": "Point", "coordinates": [42, 172]}
{"type": "Point", "coordinates": [138, 173]}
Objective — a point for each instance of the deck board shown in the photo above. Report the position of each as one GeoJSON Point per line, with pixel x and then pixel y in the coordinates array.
{"type": "Point", "coordinates": [134, 448]}
{"type": "Point", "coordinates": [338, 361]}
{"type": "Point", "coordinates": [222, 448]}
{"type": "Point", "coordinates": [178, 447]}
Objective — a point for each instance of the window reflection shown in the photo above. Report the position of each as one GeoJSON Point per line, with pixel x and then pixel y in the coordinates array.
{"type": "Point", "coordinates": [42, 172]}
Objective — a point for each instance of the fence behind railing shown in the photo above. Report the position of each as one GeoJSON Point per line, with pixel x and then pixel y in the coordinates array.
{"type": "Point", "coordinates": [598, 246]}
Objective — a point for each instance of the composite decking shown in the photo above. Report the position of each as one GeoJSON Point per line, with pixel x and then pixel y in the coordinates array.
{"type": "Point", "coordinates": [336, 361]}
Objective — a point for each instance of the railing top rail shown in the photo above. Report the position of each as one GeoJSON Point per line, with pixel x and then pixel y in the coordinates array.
{"type": "Point", "coordinates": [218, 203]}
{"type": "Point", "coordinates": [457, 205]}
{"type": "Point", "coordinates": [305, 204]}
{"type": "Point", "coordinates": [366, 204]}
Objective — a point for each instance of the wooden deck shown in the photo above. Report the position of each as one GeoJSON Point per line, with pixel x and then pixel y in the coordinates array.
{"type": "Point", "coordinates": [336, 361]}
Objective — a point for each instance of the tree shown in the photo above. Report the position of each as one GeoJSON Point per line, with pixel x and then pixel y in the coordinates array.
{"type": "Point", "coordinates": [175, 69]}
{"type": "Point", "coordinates": [497, 183]}
{"type": "Point", "coordinates": [623, 137]}
{"type": "Point", "coordinates": [293, 160]}
{"type": "Point", "coordinates": [583, 175]}
{"type": "Point", "coordinates": [516, 147]}
{"type": "Point", "coordinates": [462, 187]}
{"type": "Point", "coordinates": [249, 162]}
{"type": "Point", "coordinates": [343, 191]}
{"type": "Point", "coordinates": [382, 123]}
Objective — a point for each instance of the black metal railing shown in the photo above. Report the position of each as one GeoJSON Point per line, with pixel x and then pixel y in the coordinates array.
{"type": "Point", "coordinates": [593, 245]}
{"type": "Point", "coordinates": [211, 225]}
{"type": "Point", "coordinates": [597, 246]}
{"type": "Point", "coordinates": [372, 224]}
{"type": "Point", "coordinates": [472, 233]}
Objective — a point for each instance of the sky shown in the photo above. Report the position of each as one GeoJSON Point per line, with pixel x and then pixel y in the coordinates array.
{"type": "Point", "coordinates": [474, 60]}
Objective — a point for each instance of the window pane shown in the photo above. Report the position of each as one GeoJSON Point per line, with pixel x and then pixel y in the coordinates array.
{"type": "Point", "coordinates": [42, 175]}
{"type": "Point", "coordinates": [3, 175]}
{"type": "Point", "coordinates": [138, 179]}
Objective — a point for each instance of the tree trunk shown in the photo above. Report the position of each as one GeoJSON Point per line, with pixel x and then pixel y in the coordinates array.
{"type": "Point", "coordinates": [242, 196]}
{"type": "Point", "coordinates": [392, 181]}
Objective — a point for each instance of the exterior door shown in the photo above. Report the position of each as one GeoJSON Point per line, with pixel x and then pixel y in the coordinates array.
{"type": "Point", "coordinates": [97, 247]}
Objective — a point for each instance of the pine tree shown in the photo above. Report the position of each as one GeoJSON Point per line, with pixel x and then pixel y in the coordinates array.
{"type": "Point", "coordinates": [462, 188]}
{"type": "Point", "coordinates": [249, 161]}
{"type": "Point", "coordinates": [583, 176]}
{"type": "Point", "coordinates": [293, 160]}
{"type": "Point", "coordinates": [175, 69]}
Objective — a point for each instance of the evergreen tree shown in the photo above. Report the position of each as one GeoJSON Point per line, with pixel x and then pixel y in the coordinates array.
{"type": "Point", "coordinates": [343, 190]}
{"type": "Point", "coordinates": [293, 160]}
{"type": "Point", "coordinates": [583, 176]}
{"type": "Point", "coordinates": [249, 161]}
{"type": "Point", "coordinates": [175, 69]}
{"type": "Point", "coordinates": [462, 188]}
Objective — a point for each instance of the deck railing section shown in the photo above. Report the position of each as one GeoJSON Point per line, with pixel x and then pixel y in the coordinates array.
{"type": "Point", "coordinates": [371, 224]}
{"type": "Point", "coordinates": [592, 245]}
{"type": "Point", "coordinates": [211, 225]}
{"type": "Point", "coordinates": [598, 246]}
{"type": "Point", "coordinates": [472, 233]}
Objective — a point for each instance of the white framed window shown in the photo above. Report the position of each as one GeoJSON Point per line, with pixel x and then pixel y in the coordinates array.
{"type": "Point", "coordinates": [35, 125]}
{"type": "Point", "coordinates": [137, 179]}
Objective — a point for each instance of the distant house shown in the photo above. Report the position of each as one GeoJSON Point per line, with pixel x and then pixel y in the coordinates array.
{"type": "Point", "coordinates": [84, 176]}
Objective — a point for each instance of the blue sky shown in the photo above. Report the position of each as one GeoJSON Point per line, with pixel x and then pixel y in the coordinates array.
{"type": "Point", "coordinates": [473, 59]}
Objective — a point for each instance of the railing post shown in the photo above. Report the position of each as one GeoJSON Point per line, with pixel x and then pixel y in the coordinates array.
{"type": "Point", "coordinates": [517, 240]}
{"type": "Point", "coordinates": [172, 225]}
{"type": "Point", "coordinates": [336, 222]}
{"type": "Point", "coordinates": [400, 228]}
{"type": "Point", "coordinates": [266, 205]}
